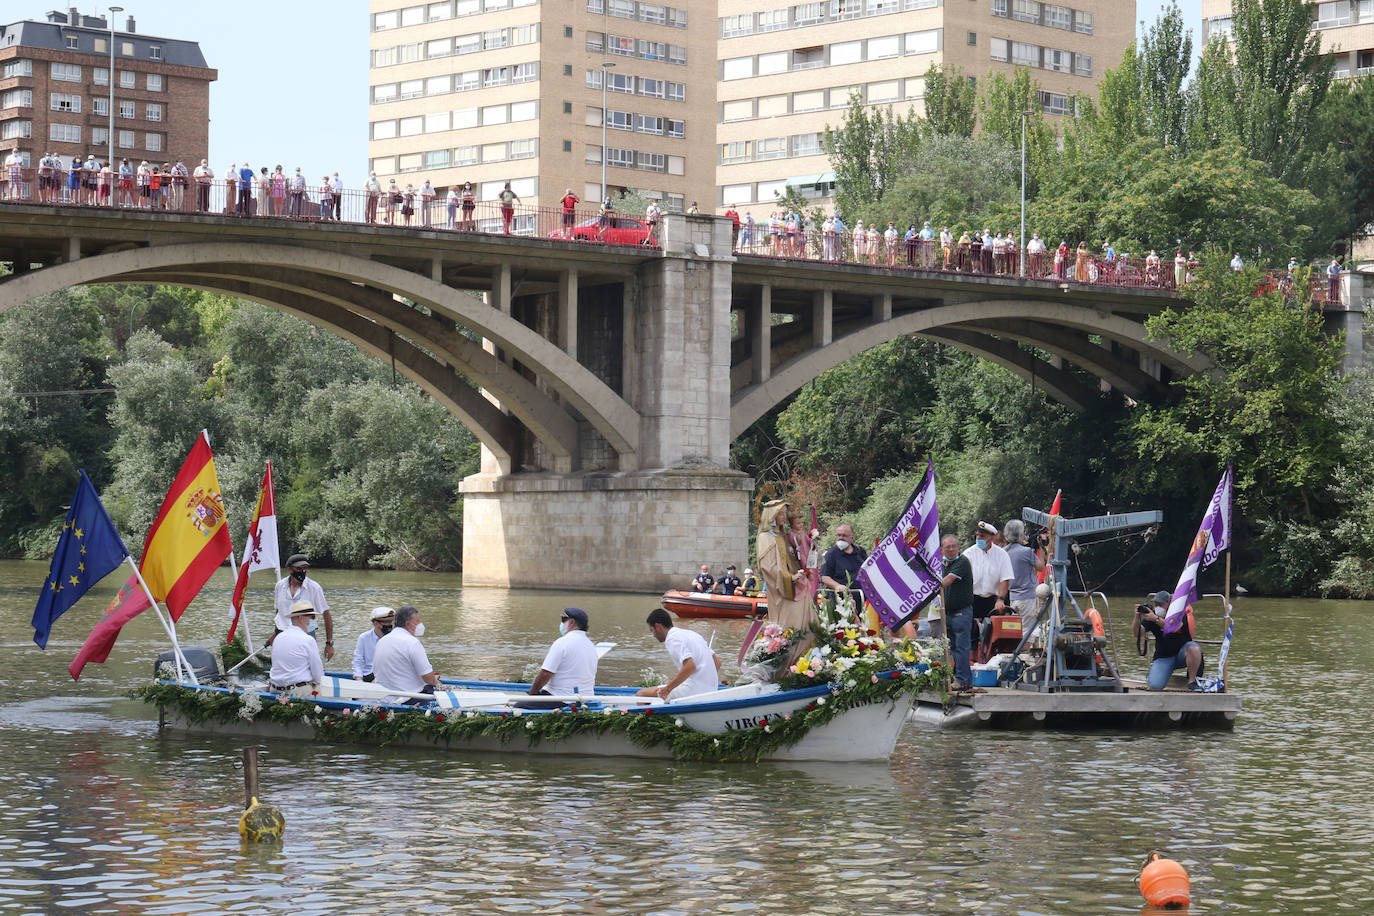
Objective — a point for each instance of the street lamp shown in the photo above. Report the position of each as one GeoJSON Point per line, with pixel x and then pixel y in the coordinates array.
{"type": "Point", "coordinates": [110, 136]}
{"type": "Point", "coordinates": [1021, 248]}
{"type": "Point", "coordinates": [606, 69]}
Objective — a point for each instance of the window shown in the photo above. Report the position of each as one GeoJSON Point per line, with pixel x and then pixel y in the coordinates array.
{"type": "Point", "coordinates": [441, 47]}
{"type": "Point", "coordinates": [61, 101]}
{"type": "Point", "coordinates": [1000, 49]}
{"type": "Point", "coordinates": [494, 152]}
{"type": "Point", "coordinates": [495, 76]}
{"type": "Point", "coordinates": [100, 136]}
{"type": "Point", "coordinates": [466, 81]}
{"type": "Point", "coordinates": [19, 68]}
{"type": "Point", "coordinates": [594, 79]}
{"type": "Point", "coordinates": [438, 121]}
{"type": "Point", "coordinates": [525, 73]}
{"type": "Point", "coordinates": [651, 88]}
{"type": "Point", "coordinates": [621, 45]}
{"type": "Point", "coordinates": [495, 114]}
{"type": "Point", "coordinates": [567, 146]}
{"type": "Point", "coordinates": [915, 87]}
{"type": "Point", "coordinates": [927, 42]}
{"type": "Point", "coordinates": [15, 130]}
{"type": "Point", "coordinates": [1026, 55]}
{"type": "Point", "coordinates": [596, 6]}
{"type": "Point", "coordinates": [522, 149]}
{"type": "Point", "coordinates": [886, 46]}
{"type": "Point", "coordinates": [126, 139]}
{"type": "Point", "coordinates": [596, 41]}
{"type": "Point", "coordinates": [495, 38]}
{"type": "Point", "coordinates": [66, 73]}
{"type": "Point", "coordinates": [1001, 7]}
{"type": "Point", "coordinates": [846, 9]}
{"type": "Point", "coordinates": [100, 107]}
{"type": "Point", "coordinates": [1330, 15]}
{"type": "Point", "coordinates": [737, 194]}
{"type": "Point", "coordinates": [465, 155]}
{"type": "Point", "coordinates": [1083, 64]}
{"type": "Point", "coordinates": [973, 39]}
{"type": "Point", "coordinates": [771, 190]}
{"type": "Point", "coordinates": [126, 48]}
{"type": "Point", "coordinates": [64, 133]}
{"type": "Point", "coordinates": [1058, 61]}
{"type": "Point", "coordinates": [100, 76]}
{"type": "Point", "coordinates": [383, 130]}
{"type": "Point", "coordinates": [1083, 22]}
{"type": "Point", "coordinates": [882, 7]}
{"type": "Point", "coordinates": [412, 126]}
{"type": "Point", "coordinates": [438, 85]}
{"type": "Point", "coordinates": [677, 165]}
{"type": "Point", "coordinates": [677, 19]}
{"type": "Point", "coordinates": [467, 44]}
{"type": "Point", "coordinates": [677, 54]}
{"type": "Point", "coordinates": [772, 20]}
{"type": "Point", "coordinates": [737, 151]}
{"type": "Point", "coordinates": [808, 58]}
{"type": "Point", "coordinates": [384, 165]}
{"type": "Point", "coordinates": [154, 53]}
{"type": "Point", "coordinates": [625, 9]}
{"type": "Point", "coordinates": [652, 162]}
{"type": "Point", "coordinates": [886, 91]}
{"type": "Point", "coordinates": [1054, 102]}
{"type": "Point", "coordinates": [434, 13]}
{"type": "Point", "coordinates": [653, 50]}
{"type": "Point", "coordinates": [1025, 10]}
{"type": "Point", "coordinates": [127, 79]}
{"type": "Point", "coordinates": [648, 124]}
{"type": "Point", "coordinates": [1058, 17]}
{"type": "Point", "coordinates": [652, 12]}
{"type": "Point", "coordinates": [1366, 10]}
{"type": "Point", "coordinates": [154, 82]}
{"type": "Point", "coordinates": [101, 46]}
{"type": "Point", "coordinates": [772, 106]}
{"type": "Point", "coordinates": [677, 128]}
{"type": "Point", "coordinates": [621, 82]}
{"type": "Point", "coordinates": [410, 162]}
{"type": "Point", "coordinates": [846, 52]}
{"type": "Point", "coordinates": [620, 158]}
{"type": "Point", "coordinates": [73, 42]}
{"type": "Point", "coordinates": [126, 109]}
{"type": "Point", "coordinates": [524, 111]}
{"type": "Point", "coordinates": [734, 26]}
{"type": "Point", "coordinates": [807, 144]}
{"type": "Point", "coordinates": [775, 62]}
{"type": "Point", "coordinates": [771, 148]}
{"type": "Point", "coordinates": [677, 92]}
{"type": "Point", "coordinates": [383, 57]}
{"type": "Point", "coordinates": [737, 68]}
{"type": "Point", "coordinates": [804, 14]}
{"type": "Point", "coordinates": [592, 154]}
{"type": "Point", "coordinates": [17, 98]}
{"type": "Point", "coordinates": [813, 100]}
{"type": "Point", "coordinates": [737, 110]}
{"type": "Point", "coordinates": [383, 21]}
{"type": "Point", "coordinates": [840, 95]}
{"type": "Point", "coordinates": [153, 142]}
{"type": "Point", "coordinates": [153, 111]}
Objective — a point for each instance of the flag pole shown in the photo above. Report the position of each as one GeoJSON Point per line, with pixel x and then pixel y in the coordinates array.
{"type": "Point", "coordinates": [168, 625]}
{"type": "Point", "coordinates": [243, 615]}
{"type": "Point", "coordinates": [1226, 603]}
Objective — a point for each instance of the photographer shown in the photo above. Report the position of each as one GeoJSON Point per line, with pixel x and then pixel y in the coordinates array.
{"type": "Point", "coordinates": [1025, 563]}
{"type": "Point", "coordinates": [1172, 650]}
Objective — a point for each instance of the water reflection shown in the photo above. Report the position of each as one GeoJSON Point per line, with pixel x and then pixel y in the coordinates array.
{"type": "Point", "coordinates": [103, 813]}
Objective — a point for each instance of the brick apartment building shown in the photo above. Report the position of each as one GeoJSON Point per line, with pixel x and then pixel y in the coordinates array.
{"type": "Point", "coordinates": [55, 91]}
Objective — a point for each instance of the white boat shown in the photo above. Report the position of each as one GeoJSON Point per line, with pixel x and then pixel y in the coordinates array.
{"type": "Point", "coordinates": [754, 721]}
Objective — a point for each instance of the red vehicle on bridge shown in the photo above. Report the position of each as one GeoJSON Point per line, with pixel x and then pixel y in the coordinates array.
{"type": "Point", "coordinates": [623, 230]}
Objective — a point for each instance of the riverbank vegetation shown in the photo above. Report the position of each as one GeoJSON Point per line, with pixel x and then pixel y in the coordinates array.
{"type": "Point", "coordinates": [1255, 155]}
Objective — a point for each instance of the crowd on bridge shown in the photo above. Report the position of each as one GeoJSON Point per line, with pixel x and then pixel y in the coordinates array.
{"type": "Point", "coordinates": [243, 191]}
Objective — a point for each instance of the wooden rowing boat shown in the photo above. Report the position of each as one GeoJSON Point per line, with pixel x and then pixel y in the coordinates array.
{"type": "Point", "coordinates": [703, 604]}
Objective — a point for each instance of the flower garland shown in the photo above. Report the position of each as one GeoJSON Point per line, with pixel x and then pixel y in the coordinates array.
{"type": "Point", "coordinates": [647, 727]}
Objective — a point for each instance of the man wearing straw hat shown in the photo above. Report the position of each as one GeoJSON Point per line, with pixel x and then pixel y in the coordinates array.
{"type": "Point", "coordinates": [295, 655]}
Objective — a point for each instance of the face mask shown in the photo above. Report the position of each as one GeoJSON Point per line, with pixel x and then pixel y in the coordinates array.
{"type": "Point", "coordinates": [420, 629]}
{"type": "Point", "coordinates": [298, 575]}
{"type": "Point", "coordinates": [842, 544]}
{"type": "Point", "coordinates": [982, 543]}
{"type": "Point", "coordinates": [386, 628]}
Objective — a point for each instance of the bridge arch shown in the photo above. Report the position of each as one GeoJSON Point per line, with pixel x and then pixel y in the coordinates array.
{"type": "Point", "coordinates": [969, 326]}
{"type": "Point", "coordinates": [276, 270]}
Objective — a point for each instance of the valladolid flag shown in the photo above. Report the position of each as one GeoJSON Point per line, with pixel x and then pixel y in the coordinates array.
{"type": "Point", "coordinates": [261, 550]}
{"type": "Point", "coordinates": [1212, 538]}
{"type": "Point", "coordinates": [902, 572]}
{"type": "Point", "coordinates": [189, 538]}
{"type": "Point", "coordinates": [128, 604]}
{"type": "Point", "coordinates": [87, 550]}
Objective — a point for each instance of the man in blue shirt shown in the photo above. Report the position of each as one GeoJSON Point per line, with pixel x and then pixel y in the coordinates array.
{"type": "Point", "coordinates": [382, 620]}
{"type": "Point", "coordinates": [704, 581]}
{"type": "Point", "coordinates": [245, 189]}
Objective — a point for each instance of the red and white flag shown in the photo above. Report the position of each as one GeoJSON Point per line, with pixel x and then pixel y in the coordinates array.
{"type": "Point", "coordinates": [261, 550]}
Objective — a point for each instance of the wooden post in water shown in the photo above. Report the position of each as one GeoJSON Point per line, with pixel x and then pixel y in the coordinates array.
{"type": "Point", "coordinates": [250, 775]}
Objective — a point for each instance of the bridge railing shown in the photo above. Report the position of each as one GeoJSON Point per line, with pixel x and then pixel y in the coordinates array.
{"type": "Point", "coordinates": [270, 199]}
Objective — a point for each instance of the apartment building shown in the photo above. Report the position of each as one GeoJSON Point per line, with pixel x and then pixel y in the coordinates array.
{"type": "Point", "coordinates": [787, 72]}
{"type": "Point", "coordinates": [55, 91]}
{"type": "Point", "coordinates": [1346, 28]}
{"type": "Point", "coordinates": [490, 91]}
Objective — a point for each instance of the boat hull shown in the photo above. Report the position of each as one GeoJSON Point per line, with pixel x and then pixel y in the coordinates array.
{"type": "Point", "coordinates": [704, 605]}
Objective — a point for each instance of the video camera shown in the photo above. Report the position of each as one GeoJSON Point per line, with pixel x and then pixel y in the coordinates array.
{"type": "Point", "coordinates": [1144, 609]}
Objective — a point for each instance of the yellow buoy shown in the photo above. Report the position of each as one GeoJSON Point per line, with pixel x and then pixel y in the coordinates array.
{"type": "Point", "coordinates": [258, 823]}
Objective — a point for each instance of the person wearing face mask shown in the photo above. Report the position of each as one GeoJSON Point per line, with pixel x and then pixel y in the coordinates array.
{"type": "Point", "coordinates": [992, 577]}
{"type": "Point", "coordinates": [569, 667]}
{"type": "Point", "coordinates": [298, 586]}
{"type": "Point", "coordinates": [729, 583]}
{"type": "Point", "coordinates": [704, 581]}
{"type": "Point", "coordinates": [957, 588]}
{"type": "Point", "coordinates": [401, 662]}
{"type": "Point", "coordinates": [840, 567]}
{"type": "Point", "coordinates": [366, 649]}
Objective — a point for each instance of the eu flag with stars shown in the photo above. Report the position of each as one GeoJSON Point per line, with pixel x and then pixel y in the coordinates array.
{"type": "Point", "coordinates": [88, 550]}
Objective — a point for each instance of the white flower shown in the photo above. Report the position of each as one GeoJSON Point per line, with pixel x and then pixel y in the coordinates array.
{"type": "Point", "coordinates": [517, 713]}
{"type": "Point", "coordinates": [429, 713]}
{"type": "Point", "coordinates": [318, 710]}
{"type": "Point", "coordinates": [768, 728]}
{"type": "Point", "coordinates": [820, 701]}
{"type": "Point", "coordinates": [678, 722]}
{"type": "Point", "coordinates": [529, 724]}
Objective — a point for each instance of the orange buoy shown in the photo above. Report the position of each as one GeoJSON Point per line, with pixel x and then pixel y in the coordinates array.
{"type": "Point", "coordinates": [1163, 882]}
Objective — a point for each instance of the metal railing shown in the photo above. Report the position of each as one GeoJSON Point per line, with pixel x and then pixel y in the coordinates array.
{"type": "Point", "coordinates": [268, 198]}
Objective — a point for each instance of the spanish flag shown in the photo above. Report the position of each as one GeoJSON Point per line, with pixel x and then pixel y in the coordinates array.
{"type": "Point", "coordinates": [189, 539]}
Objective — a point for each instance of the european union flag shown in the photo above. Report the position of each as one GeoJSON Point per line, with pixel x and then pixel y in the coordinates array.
{"type": "Point", "coordinates": [88, 550]}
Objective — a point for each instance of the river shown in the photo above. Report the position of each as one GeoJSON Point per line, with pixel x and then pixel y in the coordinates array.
{"type": "Point", "coordinates": [103, 814]}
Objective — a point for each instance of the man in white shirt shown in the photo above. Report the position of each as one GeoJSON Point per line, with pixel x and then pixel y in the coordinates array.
{"type": "Point", "coordinates": [698, 667]}
{"type": "Point", "coordinates": [297, 586]}
{"type": "Point", "coordinates": [366, 648]}
{"type": "Point", "coordinates": [295, 656]}
{"type": "Point", "coordinates": [570, 665]}
{"type": "Point", "coordinates": [400, 661]}
{"type": "Point", "coordinates": [992, 576]}
{"type": "Point", "coordinates": [336, 185]}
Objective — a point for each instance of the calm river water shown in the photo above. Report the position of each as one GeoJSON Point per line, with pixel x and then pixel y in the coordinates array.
{"type": "Point", "coordinates": [102, 814]}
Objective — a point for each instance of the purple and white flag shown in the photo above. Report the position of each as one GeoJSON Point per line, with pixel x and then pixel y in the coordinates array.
{"type": "Point", "coordinates": [1212, 538]}
{"type": "Point", "coordinates": [902, 572]}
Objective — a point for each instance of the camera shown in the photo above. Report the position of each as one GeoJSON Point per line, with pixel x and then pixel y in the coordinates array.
{"type": "Point", "coordinates": [1144, 609]}
{"type": "Point", "coordinates": [1043, 538]}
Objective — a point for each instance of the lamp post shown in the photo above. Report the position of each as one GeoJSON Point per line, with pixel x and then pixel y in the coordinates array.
{"type": "Point", "coordinates": [606, 69]}
{"type": "Point", "coordinates": [1021, 248]}
{"type": "Point", "coordinates": [110, 136]}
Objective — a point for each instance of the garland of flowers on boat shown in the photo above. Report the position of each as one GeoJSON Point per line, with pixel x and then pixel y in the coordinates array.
{"type": "Point", "coordinates": [857, 665]}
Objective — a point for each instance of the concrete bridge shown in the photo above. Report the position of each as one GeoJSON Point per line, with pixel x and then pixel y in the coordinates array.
{"type": "Point", "coordinates": [605, 383]}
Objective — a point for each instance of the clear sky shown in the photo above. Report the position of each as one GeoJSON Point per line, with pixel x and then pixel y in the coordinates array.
{"type": "Point", "coordinates": [293, 79]}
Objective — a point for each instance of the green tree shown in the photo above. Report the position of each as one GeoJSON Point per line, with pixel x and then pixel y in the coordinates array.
{"type": "Point", "coordinates": [951, 102]}
{"type": "Point", "coordinates": [868, 152]}
{"type": "Point", "coordinates": [956, 182]}
{"type": "Point", "coordinates": [1004, 103]}
{"type": "Point", "coordinates": [1166, 55]}
{"type": "Point", "coordinates": [1348, 130]}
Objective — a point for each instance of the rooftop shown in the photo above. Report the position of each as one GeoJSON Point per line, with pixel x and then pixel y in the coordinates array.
{"type": "Point", "coordinates": [56, 32]}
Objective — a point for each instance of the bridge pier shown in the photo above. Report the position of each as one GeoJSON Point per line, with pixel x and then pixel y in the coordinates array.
{"type": "Point", "coordinates": [645, 526]}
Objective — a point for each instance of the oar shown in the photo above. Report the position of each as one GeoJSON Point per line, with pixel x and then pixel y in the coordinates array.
{"type": "Point", "coordinates": [246, 659]}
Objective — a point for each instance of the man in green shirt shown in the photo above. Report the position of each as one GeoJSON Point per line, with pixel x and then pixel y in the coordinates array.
{"type": "Point", "coordinates": [958, 598]}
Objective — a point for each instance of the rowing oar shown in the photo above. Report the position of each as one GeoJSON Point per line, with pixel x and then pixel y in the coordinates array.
{"type": "Point", "coordinates": [246, 659]}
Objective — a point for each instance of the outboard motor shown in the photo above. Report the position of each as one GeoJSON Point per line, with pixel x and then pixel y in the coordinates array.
{"type": "Point", "coordinates": [203, 663]}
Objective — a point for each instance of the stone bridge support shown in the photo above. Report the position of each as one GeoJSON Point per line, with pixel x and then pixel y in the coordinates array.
{"type": "Point", "coordinates": [646, 527]}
